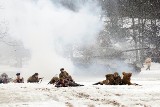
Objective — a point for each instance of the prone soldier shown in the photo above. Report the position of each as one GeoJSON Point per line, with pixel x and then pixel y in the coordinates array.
{"type": "Point", "coordinates": [54, 80]}
{"type": "Point", "coordinates": [4, 78]}
{"type": "Point", "coordinates": [34, 78]}
{"type": "Point", "coordinates": [109, 80]}
{"type": "Point", "coordinates": [18, 79]}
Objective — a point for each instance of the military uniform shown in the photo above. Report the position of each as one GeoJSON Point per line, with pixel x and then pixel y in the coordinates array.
{"type": "Point", "coordinates": [4, 78]}
{"type": "Point", "coordinates": [110, 78]}
{"type": "Point", "coordinates": [104, 82]}
{"type": "Point", "coordinates": [66, 83]}
{"type": "Point", "coordinates": [66, 80]}
{"type": "Point", "coordinates": [18, 79]}
{"type": "Point", "coordinates": [126, 78]}
{"type": "Point", "coordinates": [117, 79]}
{"type": "Point", "coordinates": [54, 80]}
{"type": "Point", "coordinates": [62, 83]}
{"type": "Point", "coordinates": [63, 75]}
{"type": "Point", "coordinates": [34, 78]}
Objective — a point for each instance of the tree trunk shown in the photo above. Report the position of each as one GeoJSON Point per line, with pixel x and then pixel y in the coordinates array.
{"type": "Point", "coordinates": [135, 38]}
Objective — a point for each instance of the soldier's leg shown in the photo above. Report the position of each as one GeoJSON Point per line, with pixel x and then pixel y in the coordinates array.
{"type": "Point", "coordinates": [147, 67]}
{"type": "Point", "coordinates": [77, 85]}
{"type": "Point", "coordinates": [58, 86]}
{"type": "Point", "coordinates": [1, 81]}
{"type": "Point", "coordinates": [73, 84]}
{"type": "Point", "coordinates": [98, 83]}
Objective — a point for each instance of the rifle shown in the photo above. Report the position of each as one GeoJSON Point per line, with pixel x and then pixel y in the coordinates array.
{"type": "Point", "coordinates": [40, 79]}
{"type": "Point", "coordinates": [49, 82]}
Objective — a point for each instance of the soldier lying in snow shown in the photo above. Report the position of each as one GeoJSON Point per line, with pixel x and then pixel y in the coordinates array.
{"type": "Point", "coordinates": [111, 79]}
{"type": "Point", "coordinates": [126, 80]}
{"type": "Point", "coordinates": [4, 78]}
{"type": "Point", "coordinates": [108, 81]}
{"type": "Point", "coordinates": [104, 82]}
{"type": "Point", "coordinates": [66, 83]}
{"type": "Point", "coordinates": [61, 83]}
{"type": "Point", "coordinates": [18, 79]}
{"type": "Point", "coordinates": [34, 78]}
{"type": "Point", "coordinates": [115, 79]}
{"type": "Point", "coordinates": [54, 80]}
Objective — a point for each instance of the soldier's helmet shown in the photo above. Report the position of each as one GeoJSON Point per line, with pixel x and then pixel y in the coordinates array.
{"type": "Point", "coordinates": [62, 69]}
{"type": "Point", "coordinates": [108, 76]}
{"type": "Point", "coordinates": [4, 75]}
{"type": "Point", "coordinates": [18, 74]}
{"type": "Point", "coordinates": [35, 74]}
{"type": "Point", "coordinates": [116, 73]}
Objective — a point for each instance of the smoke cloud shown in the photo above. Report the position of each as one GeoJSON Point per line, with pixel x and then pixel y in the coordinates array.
{"type": "Point", "coordinates": [46, 27]}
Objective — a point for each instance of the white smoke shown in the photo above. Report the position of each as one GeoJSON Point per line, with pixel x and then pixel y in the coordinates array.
{"type": "Point", "coordinates": [43, 25]}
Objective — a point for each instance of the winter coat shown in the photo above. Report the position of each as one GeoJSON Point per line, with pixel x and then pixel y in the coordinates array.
{"type": "Point", "coordinates": [117, 80]}
{"type": "Point", "coordinates": [53, 80]}
{"type": "Point", "coordinates": [148, 61]}
{"type": "Point", "coordinates": [4, 78]}
{"type": "Point", "coordinates": [18, 80]}
{"type": "Point", "coordinates": [63, 75]}
{"type": "Point", "coordinates": [33, 79]}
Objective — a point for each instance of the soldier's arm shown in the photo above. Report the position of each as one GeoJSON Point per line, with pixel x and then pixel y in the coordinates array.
{"type": "Point", "coordinates": [66, 73]}
{"type": "Point", "coordinates": [41, 78]}
{"type": "Point", "coordinates": [22, 80]}
{"type": "Point", "coordinates": [15, 80]}
{"type": "Point", "coordinates": [60, 76]}
{"type": "Point", "coordinates": [29, 80]}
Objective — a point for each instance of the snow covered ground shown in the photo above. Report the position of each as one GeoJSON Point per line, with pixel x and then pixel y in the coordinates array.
{"type": "Point", "coordinates": [43, 95]}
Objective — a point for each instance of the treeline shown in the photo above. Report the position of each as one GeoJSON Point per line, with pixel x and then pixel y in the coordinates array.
{"type": "Point", "coordinates": [138, 19]}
